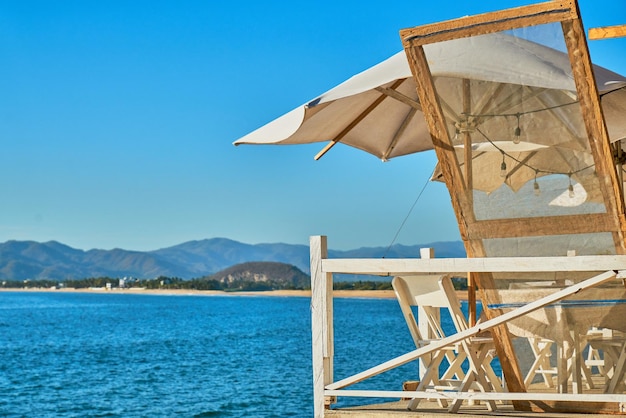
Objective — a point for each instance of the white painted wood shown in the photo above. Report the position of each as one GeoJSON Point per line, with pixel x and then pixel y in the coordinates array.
{"type": "Point", "coordinates": [494, 396]}
{"type": "Point", "coordinates": [423, 323]}
{"type": "Point", "coordinates": [563, 330]}
{"type": "Point", "coordinates": [322, 324]}
{"type": "Point", "coordinates": [404, 266]}
{"type": "Point", "coordinates": [470, 332]}
{"type": "Point", "coordinates": [425, 330]}
{"type": "Point", "coordinates": [427, 253]}
{"type": "Point", "coordinates": [618, 374]}
{"type": "Point", "coordinates": [542, 350]}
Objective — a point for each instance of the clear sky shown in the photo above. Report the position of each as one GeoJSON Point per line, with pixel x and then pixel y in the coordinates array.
{"type": "Point", "coordinates": [117, 120]}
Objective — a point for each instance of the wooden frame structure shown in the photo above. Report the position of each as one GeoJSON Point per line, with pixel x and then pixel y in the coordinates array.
{"type": "Point", "coordinates": [325, 389]}
{"type": "Point", "coordinates": [473, 231]}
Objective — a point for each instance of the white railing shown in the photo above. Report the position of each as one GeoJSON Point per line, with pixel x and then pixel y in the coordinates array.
{"type": "Point", "coordinates": [323, 268]}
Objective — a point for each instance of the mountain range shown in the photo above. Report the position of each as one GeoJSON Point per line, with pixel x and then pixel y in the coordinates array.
{"type": "Point", "coordinates": [22, 260]}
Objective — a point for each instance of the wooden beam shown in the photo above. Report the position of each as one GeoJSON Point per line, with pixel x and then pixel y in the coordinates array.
{"type": "Point", "coordinates": [595, 125]}
{"type": "Point", "coordinates": [446, 154]}
{"type": "Point", "coordinates": [543, 226]}
{"type": "Point", "coordinates": [563, 403]}
{"type": "Point", "coordinates": [355, 122]}
{"type": "Point", "coordinates": [536, 14]}
{"type": "Point", "coordinates": [605, 32]}
{"type": "Point", "coordinates": [404, 266]}
{"type": "Point", "coordinates": [472, 313]}
{"type": "Point", "coordinates": [590, 398]}
{"type": "Point", "coordinates": [396, 137]}
{"type": "Point", "coordinates": [609, 404]}
{"type": "Point", "coordinates": [394, 94]}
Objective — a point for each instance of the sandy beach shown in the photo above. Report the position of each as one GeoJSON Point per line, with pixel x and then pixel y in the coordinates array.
{"type": "Point", "coordinates": [381, 294]}
{"type": "Point", "coordinates": [368, 294]}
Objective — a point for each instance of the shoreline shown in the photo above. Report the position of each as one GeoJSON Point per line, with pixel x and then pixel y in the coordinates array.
{"type": "Point", "coordinates": [377, 294]}
{"type": "Point", "coordinates": [367, 294]}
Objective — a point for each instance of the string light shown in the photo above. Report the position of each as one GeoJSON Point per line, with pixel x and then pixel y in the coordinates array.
{"type": "Point", "coordinates": [538, 171]}
{"type": "Point", "coordinates": [536, 189]}
{"type": "Point", "coordinates": [518, 131]}
{"type": "Point", "coordinates": [516, 140]}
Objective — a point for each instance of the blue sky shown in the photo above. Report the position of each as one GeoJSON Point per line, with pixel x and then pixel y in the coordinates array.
{"type": "Point", "coordinates": [117, 120]}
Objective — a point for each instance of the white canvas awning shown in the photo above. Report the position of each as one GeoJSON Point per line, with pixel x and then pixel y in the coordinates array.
{"type": "Point", "coordinates": [377, 110]}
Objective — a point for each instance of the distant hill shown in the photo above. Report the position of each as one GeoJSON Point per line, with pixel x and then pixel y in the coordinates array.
{"type": "Point", "coordinates": [269, 273]}
{"type": "Point", "coordinates": [21, 260]}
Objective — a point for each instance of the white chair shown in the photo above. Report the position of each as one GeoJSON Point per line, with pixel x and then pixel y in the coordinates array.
{"type": "Point", "coordinates": [582, 320]}
{"type": "Point", "coordinates": [607, 353]}
{"type": "Point", "coordinates": [542, 350]}
{"type": "Point", "coordinates": [482, 346]}
{"type": "Point", "coordinates": [541, 347]}
{"type": "Point", "coordinates": [430, 293]}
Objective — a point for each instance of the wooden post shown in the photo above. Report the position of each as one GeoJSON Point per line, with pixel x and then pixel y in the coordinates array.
{"type": "Point", "coordinates": [595, 125]}
{"type": "Point", "coordinates": [422, 319]}
{"type": "Point", "coordinates": [471, 300]}
{"type": "Point", "coordinates": [321, 324]}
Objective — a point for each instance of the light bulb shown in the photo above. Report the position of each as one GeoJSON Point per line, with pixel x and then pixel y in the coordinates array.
{"type": "Point", "coordinates": [517, 133]}
{"type": "Point", "coordinates": [570, 188]}
{"type": "Point", "coordinates": [536, 188]}
{"type": "Point", "coordinates": [503, 168]}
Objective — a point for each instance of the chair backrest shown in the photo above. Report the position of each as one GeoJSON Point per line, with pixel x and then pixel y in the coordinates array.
{"type": "Point", "coordinates": [424, 292]}
{"type": "Point", "coordinates": [430, 293]}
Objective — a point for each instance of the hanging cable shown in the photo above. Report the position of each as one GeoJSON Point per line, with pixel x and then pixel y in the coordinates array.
{"type": "Point", "coordinates": [527, 112]}
{"type": "Point", "coordinates": [409, 213]}
{"type": "Point", "coordinates": [520, 162]}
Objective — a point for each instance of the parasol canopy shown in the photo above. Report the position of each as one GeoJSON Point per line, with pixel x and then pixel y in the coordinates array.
{"type": "Point", "coordinates": [378, 111]}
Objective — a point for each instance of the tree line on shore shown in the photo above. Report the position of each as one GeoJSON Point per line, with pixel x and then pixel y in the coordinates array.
{"type": "Point", "coordinates": [164, 282]}
{"type": "Point", "coordinates": [205, 283]}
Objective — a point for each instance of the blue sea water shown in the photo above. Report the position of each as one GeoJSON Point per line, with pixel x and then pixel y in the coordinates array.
{"type": "Point", "coordinates": [124, 355]}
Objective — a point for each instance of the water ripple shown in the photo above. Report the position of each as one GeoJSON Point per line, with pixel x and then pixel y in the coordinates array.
{"type": "Point", "coordinates": [76, 355]}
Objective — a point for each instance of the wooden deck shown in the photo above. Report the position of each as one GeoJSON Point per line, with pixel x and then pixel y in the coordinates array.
{"type": "Point", "coordinates": [431, 409]}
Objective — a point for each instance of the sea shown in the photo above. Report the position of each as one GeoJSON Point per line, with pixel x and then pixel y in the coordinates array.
{"type": "Point", "coordinates": [125, 355]}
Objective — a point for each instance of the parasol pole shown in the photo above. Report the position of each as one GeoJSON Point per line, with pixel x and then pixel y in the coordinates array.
{"type": "Point", "coordinates": [469, 181]}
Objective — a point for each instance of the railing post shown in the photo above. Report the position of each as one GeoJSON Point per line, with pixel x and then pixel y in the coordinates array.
{"type": "Point", "coordinates": [422, 319]}
{"type": "Point", "coordinates": [321, 324]}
